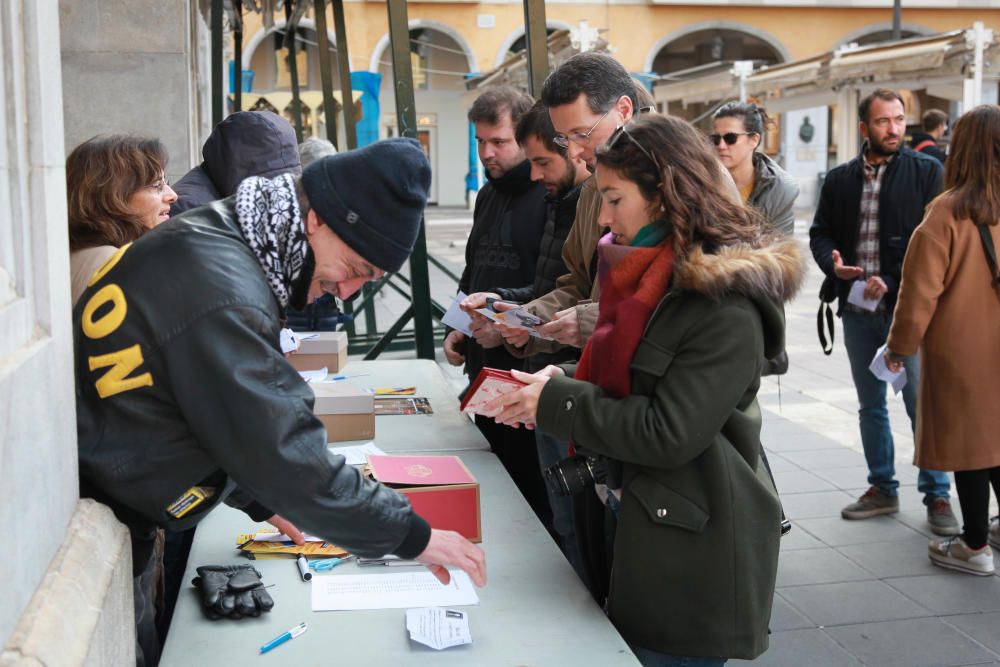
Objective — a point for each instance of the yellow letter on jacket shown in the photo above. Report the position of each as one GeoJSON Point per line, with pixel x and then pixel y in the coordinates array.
{"type": "Point", "coordinates": [116, 379]}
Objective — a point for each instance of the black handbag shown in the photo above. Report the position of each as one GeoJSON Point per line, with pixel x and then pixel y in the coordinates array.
{"type": "Point", "coordinates": [824, 317]}
{"type": "Point", "coordinates": [991, 253]}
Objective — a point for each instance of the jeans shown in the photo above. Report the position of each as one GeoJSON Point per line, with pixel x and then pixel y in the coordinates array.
{"type": "Point", "coordinates": [655, 659]}
{"type": "Point", "coordinates": [864, 334]}
{"type": "Point", "coordinates": [551, 450]}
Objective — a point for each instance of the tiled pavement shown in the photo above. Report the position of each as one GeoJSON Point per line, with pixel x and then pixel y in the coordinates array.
{"type": "Point", "coordinates": [848, 592]}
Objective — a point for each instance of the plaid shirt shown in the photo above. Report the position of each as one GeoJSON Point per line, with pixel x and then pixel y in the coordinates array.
{"type": "Point", "coordinates": [868, 238]}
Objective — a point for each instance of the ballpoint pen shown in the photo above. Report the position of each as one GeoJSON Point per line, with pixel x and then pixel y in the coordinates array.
{"type": "Point", "coordinates": [284, 637]}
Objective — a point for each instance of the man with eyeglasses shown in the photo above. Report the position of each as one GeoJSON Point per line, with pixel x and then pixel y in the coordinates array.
{"type": "Point", "coordinates": [867, 211]}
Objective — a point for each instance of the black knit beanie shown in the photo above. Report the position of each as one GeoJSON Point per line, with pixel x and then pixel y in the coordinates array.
{"type": "Point", "coordinates": [373, 198]}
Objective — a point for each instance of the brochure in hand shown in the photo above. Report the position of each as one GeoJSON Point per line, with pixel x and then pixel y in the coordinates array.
{"type": "Point", "coordinates": [489, 384]}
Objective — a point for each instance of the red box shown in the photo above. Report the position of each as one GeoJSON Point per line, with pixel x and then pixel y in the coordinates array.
{"type": "Point", "coordinates": [489, 384]}
{"type": "Point", "coordinates": [440, 488]}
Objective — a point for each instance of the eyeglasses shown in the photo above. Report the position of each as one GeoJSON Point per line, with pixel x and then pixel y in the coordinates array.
{"type": "Point", "coordinates": [582, 138]}
{"type": "Point", "coordinates": [624, 131]}
{"type": "Point", "coordinates": [159, 185]}
{"type": "Point", "coordinates": [729, 137]}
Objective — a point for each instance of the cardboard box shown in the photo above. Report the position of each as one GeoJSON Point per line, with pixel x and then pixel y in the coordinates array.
{"type": "Point", "coordinates": [440, 488]}
{"type": "Point", "coordinates": [324, 348]}
{"type": "Point", "coordinates": [347, 412]}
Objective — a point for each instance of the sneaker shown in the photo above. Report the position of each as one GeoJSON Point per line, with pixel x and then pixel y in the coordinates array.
{"type": "Point", "coordinates": [873, 502]}
{"type": "Point", "coordinates": [995, 531]}
{"type": "Point", "coordinates": [941, 518]}
{"type": "Point", "coordinates": [954, 554]}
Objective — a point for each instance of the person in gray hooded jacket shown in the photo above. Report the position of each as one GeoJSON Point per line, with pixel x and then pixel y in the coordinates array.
{"type": "Point", "coordinates": [244, 144]}
{"type": "Point", "coordinates": [737, 133]}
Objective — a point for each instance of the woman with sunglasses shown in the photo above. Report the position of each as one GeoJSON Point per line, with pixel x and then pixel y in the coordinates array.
{"type": "Point", "coordinates": [665, 397]}
{"type": "Point", "coordinates": [737, 131]}
{"type": "Point", "coordinates": [116, 191]}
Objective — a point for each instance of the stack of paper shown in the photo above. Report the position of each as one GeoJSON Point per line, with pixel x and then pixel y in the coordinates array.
{"type": "Point", "coordinates": [391, 590]}
{"type": "Point", "coordinates": [882, 372]}
{"type": "Point", "coordinates": [269, 543]}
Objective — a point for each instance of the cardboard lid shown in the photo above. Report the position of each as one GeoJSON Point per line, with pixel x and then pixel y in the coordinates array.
{"type": "Point", "coordinates": [322, 342]}
{"type": "Point", "coordinates": [420, 470]}
{"type": "Point", "coordinates": [340, 398]}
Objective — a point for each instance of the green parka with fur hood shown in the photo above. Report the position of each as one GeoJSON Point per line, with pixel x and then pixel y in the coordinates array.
{"type": "Point", "coordinates": [696, 548]}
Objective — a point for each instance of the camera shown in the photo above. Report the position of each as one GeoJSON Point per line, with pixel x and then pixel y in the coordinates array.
{"type": "Point", "coordinates": [572, 475]}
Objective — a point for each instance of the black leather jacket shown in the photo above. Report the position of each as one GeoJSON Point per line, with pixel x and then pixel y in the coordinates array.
{"type": "Point", "coordinates": [180, 382]}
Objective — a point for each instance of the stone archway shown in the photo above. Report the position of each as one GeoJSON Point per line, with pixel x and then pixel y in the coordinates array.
{"type": "Point", "coordinates": [509, 42]}
{"type": "Point", "coordinates": [711, 41]}
{"type": "Point", "coordinates": [880, 32]}
{"type": "Point", "coordinates": [417, 24]}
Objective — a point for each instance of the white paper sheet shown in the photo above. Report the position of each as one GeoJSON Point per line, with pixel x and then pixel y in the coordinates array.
{"type": "Point", "coordinates": [882, 372]}
{"type": "Point", "coordinates": [390, 590]}
{"type": "Point", "coordinates": [314, 376]}
{"type": "Point", "coordinates": [355, 454]}
{"type": "Point", "coordinates": [857, 297]}
{"type": "Point", "coordinates": [438, 628]}
{"type": "Point", "coordinates": [289, 341]}
{"type": "Point", "coordinates": [456, 318]}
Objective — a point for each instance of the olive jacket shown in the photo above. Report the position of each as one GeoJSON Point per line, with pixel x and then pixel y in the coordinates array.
{"type": "Point", "coordinates": [696, 549]}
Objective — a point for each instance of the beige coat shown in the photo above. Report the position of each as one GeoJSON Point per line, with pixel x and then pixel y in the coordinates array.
{"type": "Point", "coordinates": [949, 309]}
{"type": "Point", "coordinates": [84, 263]}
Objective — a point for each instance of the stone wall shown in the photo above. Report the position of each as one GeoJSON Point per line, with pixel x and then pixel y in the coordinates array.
{"type": "Point", "coordinates": [133, 67]}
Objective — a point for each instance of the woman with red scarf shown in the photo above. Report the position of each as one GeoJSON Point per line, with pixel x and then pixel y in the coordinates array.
{"type": "Point", "coordinates": [665, 394]}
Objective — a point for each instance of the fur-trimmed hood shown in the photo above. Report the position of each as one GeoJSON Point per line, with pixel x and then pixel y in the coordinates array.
{"type": "Point", "coordinates": [769, 276]}
{"type": "Point", "coordinates": [775, 271]}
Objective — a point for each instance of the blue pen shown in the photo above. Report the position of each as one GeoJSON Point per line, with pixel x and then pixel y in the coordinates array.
{"type": "Point", "coordinates": [284, 637]}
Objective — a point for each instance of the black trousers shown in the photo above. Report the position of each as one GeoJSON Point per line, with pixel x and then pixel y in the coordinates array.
{"type": "Point", "coordinates": [518, 452]}
{"type": "Point", "coordinates": [973, 488]}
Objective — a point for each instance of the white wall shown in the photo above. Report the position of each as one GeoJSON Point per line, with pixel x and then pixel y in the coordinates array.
{"type": "Point", "coordinates": [805, 160]}
{"type": "Point", "coordinates": [130, 67]}
{"type": "Point", "coordinates": [66, 584]}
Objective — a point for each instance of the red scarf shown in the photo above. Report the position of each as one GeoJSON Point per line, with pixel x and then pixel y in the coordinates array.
{"type": "Point", "coordinates": [633, 281]}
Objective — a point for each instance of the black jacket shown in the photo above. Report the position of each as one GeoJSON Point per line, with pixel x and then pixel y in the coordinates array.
{"type": "Point", "coordinates": [246, 143]}
{"type": "Point", "coordinates": [182, 383]}
{"type": "Point", "coordinates": [502, 250]}
{"type": "Point", "coordinates": [910, 182]}
{"type": "Point", "coordinates": [559, 215]}
{"type": "Point", "coordinates": [931, 149]}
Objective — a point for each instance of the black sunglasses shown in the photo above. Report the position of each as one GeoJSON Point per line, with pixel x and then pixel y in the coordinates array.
{"type": "Point", "coordinates": [729, 137]}
{"type": "Point", "coordinates": [623, 131]}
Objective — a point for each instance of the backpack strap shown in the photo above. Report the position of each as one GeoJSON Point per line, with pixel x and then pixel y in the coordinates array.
{"type": "Point", "coordinates": [991, 254]}
{"type": "Point", "coordinates": [926, 143]}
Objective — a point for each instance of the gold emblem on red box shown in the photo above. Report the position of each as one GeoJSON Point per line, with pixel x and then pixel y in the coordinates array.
{"type": "Point", "coordinates": [419, 470]}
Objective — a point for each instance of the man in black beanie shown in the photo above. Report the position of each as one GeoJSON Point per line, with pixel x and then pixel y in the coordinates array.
{"type": "Point", "coordinates": [183, 393]}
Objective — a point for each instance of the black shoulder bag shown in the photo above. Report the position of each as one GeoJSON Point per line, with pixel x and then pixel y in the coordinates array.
{"type": "Point", "coordinates": [827, 295]}
{"type": "Point", "coordinates": [991, 254]}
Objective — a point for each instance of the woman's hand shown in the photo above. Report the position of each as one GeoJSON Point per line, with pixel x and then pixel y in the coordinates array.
{"type": "Point", "coordinates": [521, 406]}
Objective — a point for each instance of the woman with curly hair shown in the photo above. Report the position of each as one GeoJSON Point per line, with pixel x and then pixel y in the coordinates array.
{"type": "Point", "coordinates": [117, 191]}
{"type": "Point", "coordinates": [665, 397]}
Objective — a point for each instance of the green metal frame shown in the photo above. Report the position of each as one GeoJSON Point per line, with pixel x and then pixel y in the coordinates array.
{"type": "Point", "coordinates": [422, 309]}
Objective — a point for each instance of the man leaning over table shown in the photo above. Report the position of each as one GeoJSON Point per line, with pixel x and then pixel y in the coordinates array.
{"type": "Point", "coordinates": [181, 383]}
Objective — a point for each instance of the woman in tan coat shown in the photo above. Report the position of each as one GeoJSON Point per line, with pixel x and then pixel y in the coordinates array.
{"type": "Point", "coordinates": [949, 307]}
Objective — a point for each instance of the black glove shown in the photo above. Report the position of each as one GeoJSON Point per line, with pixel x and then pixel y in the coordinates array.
{"type": "Point", "coordinates": [231, 590]}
